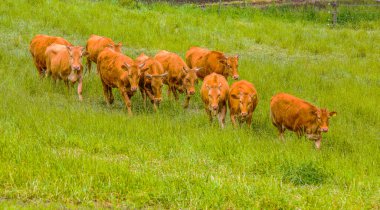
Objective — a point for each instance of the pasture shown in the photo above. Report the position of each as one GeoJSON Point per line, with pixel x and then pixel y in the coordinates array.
{"type": "Point", "coordinates": [56, 151]}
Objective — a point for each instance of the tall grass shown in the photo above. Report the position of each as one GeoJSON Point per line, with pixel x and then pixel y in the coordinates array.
{"type": "Point", "coordinates": [58, 152]}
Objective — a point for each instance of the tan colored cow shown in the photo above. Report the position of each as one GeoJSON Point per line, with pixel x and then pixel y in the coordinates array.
{"type": "Point", "coordinates": [294, 114]}
{"type": "Point", "coordinates": [38, 47]}
{"type": "Point", "coordinates": [214, 93]}
{"type": "Point", "coordinates": [151, 81]}
{"type": "Point", "coordinates": [118, 71]}
{"type": "Point", "coordinates": [212, 61]}
{"type": "Point", "coordinates": [180, 78]}
{"type": "Point", "coordinates": [95, 45]}
{"type": "Point", "coordinates": [242, 101]}
{"type": "Point", "coordinates": [65, 63]}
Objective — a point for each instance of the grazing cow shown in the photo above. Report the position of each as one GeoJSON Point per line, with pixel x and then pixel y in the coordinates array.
{"type": "Point", "coordinates": [212, 61]}
{"type": "Point", "coordinates": [151, 80]}
{"type": "Point", "coordinates": [294, 114]}
{"type": "Point", "coordinates": [214, 93]}
{"type": "Point", "coordinates": [242, 101]}
{"type": "Point", "coordinates": [95, 45]}
{"type": "Point", "coordinates": [180, 77]}
{"type": "Point", "coordinates": [118, 71]}
{"type": "Point", "coordinates": [65, 63]}
{"type": "Point", "coordinates": [38, 47]}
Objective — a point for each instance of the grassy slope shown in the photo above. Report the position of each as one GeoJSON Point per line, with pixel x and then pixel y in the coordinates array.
{"type": "Point", "coordinates": [57, 151]}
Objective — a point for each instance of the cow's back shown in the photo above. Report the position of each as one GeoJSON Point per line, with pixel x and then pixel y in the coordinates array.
{"type": "Point", "coordinates": [289, 111]}
{"type": "Point", "coordinates": [171, 62]}
{"type": "Point", "coordinates": [194, 56]}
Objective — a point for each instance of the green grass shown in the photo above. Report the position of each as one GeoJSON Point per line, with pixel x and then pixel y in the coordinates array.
{"type": "Point", "coordinates": [58, 152]}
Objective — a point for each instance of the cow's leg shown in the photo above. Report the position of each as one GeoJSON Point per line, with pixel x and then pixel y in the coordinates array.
{"type": "Point", "coordinates": [233, 120]}
{"type": "Point", "coordinates": [67, 85]}
{"type": "Point", "coordinates": [124, 93]}
{"type": "Point", "coordinates": [249, 120]}
{"type": "Point", "coordinates": [222, 115]}
{"type": "Point", "coordinates": [106, 93]}
{"type": "Point", "coordinates": [281, 131]}
{"type": "Point", "coordinates": [169, 90]}
{"type": "Point", "coordinates": [187, 100]}
{"type": "Point", "coordinates": [318, 142]}
{"type": "Point", "coordinates": [209, 114]}
{"type": "Point", "coordinates": [88, 65]}
{"type": "Point", "coordinates": [110, 95]}
{"type": "Point", "coordinates": [175, 93]}
{"type": "Point", "coordinates": [142, 90]}
{"type": "Point", "coordinates": [80, 83]}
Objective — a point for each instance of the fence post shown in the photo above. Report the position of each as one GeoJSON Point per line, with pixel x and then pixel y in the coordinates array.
{"type": "Point", "coordinates": [334, 13]}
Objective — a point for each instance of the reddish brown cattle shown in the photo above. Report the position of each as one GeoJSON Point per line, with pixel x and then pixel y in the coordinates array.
{"type": "Point", "coordinates": [65, 63]}
{"type": "Point", "coordinates": [214, 93]}
{"type": "Point", "coordinates": [151, 80]}
{"type": "Point", "coordinates": [95, 45]}
{"type": "Point", "coordinates": [180, 77]}
{"type": "Point", "coordinates": [294, 114]}
{"type": "Point", "coordinates": [212, 61]}
{"type": "Point", "coordinates": [38, 47]}
{"type": "Point", "coordinates": [242, 101]}
{"type": "Point", "coordinates": [118, 71]}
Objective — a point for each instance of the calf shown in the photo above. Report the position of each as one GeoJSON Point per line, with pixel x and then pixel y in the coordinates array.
{"type": "Point", "coordinates": [180, 77]}
{"type": "Point", "coordinates": [294, 114]}
{"type": "Point", "coordinates": [118, 71]}
{"type": "Point", "coordinates": [214, 93]}
{"type": "Point", "coordinates": [95, 45]}
{"type": "Point", "coordinates": [242, 101]}
{"type": "Point", "coordinates": [151, 81]}
{"type": "Point", "coordinates": [65, 63]}
{"type": "Point", "coordinates": [212, 61]}
{"type": "Point", "coordinates": [38, 47]}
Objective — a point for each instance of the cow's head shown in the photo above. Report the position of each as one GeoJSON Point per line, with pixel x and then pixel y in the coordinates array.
{"type": "Point", "coordinates": [134, 72]}
{"type": "Point", "coordinates": [190, 79]}
{"type": "Point", "coordinates": [233, 64]}
{"type": "Point", "coordinates": [323, 116]}
{"type": "Point", "coordinates": [214, 92]}
{"type": "Point", "coordinates": [245, 102]}
{"type": "Point", "coordinates": [75, 57]}
{"type": "Point", "coordinates": [230, 66]}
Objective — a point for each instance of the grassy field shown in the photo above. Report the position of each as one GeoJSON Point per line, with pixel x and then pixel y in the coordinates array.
{"type": "Point", "coordinates": [58, 152]}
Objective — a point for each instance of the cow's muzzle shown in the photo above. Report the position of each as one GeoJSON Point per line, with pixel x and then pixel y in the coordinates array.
{"type": "Point", "coordinates": [235, 77]}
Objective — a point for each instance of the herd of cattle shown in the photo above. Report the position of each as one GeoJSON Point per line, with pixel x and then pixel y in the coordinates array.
{"type": "Point", "coordinates": [58, 58]}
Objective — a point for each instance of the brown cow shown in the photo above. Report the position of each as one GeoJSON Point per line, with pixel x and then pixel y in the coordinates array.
{"type": "Point", "coordinates": [180, 77]}
{"type": "Point", "coordinates": [38, 47]}
{"type": "Point", "coordinates": [95, 45]}
{"type": "Point", "coordinates": [212, 61]}
{"type": "Point", "coordinates": [118, 71]}
{"type": "Point", "coordinates": [242, 101]}
{"type": "Point", "coordinates": [65, 63]}
{"type": "Point", "coordinates": [214, 93]}
{"type": "Point", "coordinates": [151, 80]}
{"type": "Point", "coordinates": [292, 113]}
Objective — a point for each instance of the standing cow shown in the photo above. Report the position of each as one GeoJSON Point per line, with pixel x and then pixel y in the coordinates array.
{"type": "Point", "coordinates": [118, 71]}
{"type": "Point", "coordinates": [212, 61]}
{"type": "Point", "coordinates": [38, 47]}
{"type": "Point", "coordinates": [95, 45]}
{"type": "Point", "coordinates": [214, 93]}
{"type": "Point", "coordinates": [180, 77]}
{"type": "Point", "coordinates": [151, 81]}
{"type": "Point", "coordinates": [294, 114]}
{"type": "Point", "coordinates": [242, 101]}
{"type": "Point", "coordinates": [65, 63]}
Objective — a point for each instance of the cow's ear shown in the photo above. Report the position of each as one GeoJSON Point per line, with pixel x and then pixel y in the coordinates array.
{"type": "Point", "coordinates": [253, 96]}
{"type": "Point", "coordinates": [125, 66]}
{"type": "Point", "coordinates": [185, 70]}
{"type": "Point", "coordinates": [85, 53]}
{"type": "Point", "coordinates": [223, 60]}
{"type": "Point", "coordinates": [332, 114]}
{"type": "Point", "coordinates": [237, 56]}
{"type": "Point", "coordinates": [148, 76]}
{"type": "Point", "coordinates": [110, 45]}
{"type": "Point", "coordinates": [69, 48]}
